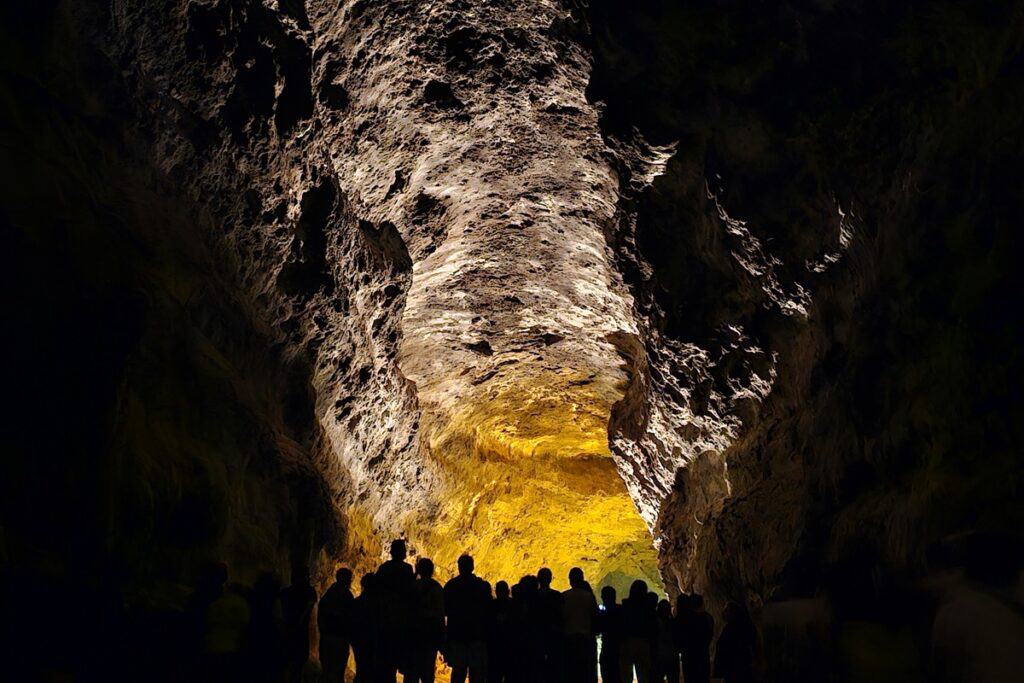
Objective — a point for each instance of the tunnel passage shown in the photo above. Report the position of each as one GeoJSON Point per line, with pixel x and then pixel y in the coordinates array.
{"type": "Point", "coordinates": [309, 275]}
{"type": "Point", "coordinates": [516, 424]}
{"type": "Point", "coordinates": [505, 334]}
{"type": "Point", "coordinates": [498, 183]}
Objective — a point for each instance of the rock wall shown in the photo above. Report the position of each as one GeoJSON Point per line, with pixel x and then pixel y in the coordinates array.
{"type": "Point", "coordinates": [157, 419]}
{"type": "Point", "coordinates": [492, 274]}
{"type": "Point", "coordinates": [816, 218]}
{"type": "Point", "coordinates": [390, 189]}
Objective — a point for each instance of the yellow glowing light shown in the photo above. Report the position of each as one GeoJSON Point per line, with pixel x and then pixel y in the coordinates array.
{"type": "Point", "coordinates": [530, 482]}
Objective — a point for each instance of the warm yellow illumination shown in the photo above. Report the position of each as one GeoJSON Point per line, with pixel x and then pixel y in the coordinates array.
{"type": "Point", "coordinates": [546, 512]}
{"type": "Point", "coordinates": [515, 381]}
{"type": "Point", "coordinates": [529, 482]}
{"type": "Point", "coordinates": [560, 415]}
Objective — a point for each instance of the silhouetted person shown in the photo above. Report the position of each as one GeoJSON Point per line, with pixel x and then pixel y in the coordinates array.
{"type": "Point", "coordinates": [265, 659]}
{"type": "Point", "coordinates": [395, 574]}
{"type": "Point", "coordinates": [652, 601]}
{"type": "Point", "coordinates": [638, 632]}
{"type": "Point", "coordinates": [737, 645]}
{"type": "Point", "coordinates": [334, 617]}
{"type": "Point", "coordinates": [665, 648]}
{"type": "Point", "coordinates": [396, 584]}
{"type": "Point", "coordinates": [365, 630]}
{"type": "Point", "coordinates": [529, 634]}
{"type": "Point", "coordinates": [297, 603]}
{"type": "Point", "coordinates": [695, 629]}
{"type": "Point", "coordinates": [549, 616]}
{"type": "Point", "coordinates": [609, 626]}
{"type": "Point", "coordinates": [579, 626]}
{"type": "Point", "coordinates": [209, 587]}
{"type": "Point", "coordinates": [502, 636]}
{"type": "Point", "coordinates": [427, 625]}
{"type": "Point", "coordinates": [977, 633]}
{"type": "Point", "coordinates": [467, 600]}
{"type": "Point", "coordinates": [227, 625]}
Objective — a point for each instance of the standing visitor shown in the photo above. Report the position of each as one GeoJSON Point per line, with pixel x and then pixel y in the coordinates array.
{"type": "Point", "coordinates": [549, 619]}
{"type": "Point", "coordinates": [366, 626]}
{"type": "Point", "coordinates": [227, 625]}
{"type": "Point", "coordinates": [265, 657]}
{"type": "Point", "coordinates": [638, 632]}
{"type": "Point", "coordinates": [297, 603]}
{"type": "Point", "coordinates": [467, 600]}
{"type": "Point", "coordinates": [666, 652]}
{"type": "Point", "coordinates": [529, 632]}
{"type": "Point", "coordinates": [501, 637]}
{"type": "Point", "coordinates": [695, 631]}
{"type": "Point", "coordinates": [395, 583]}
{"type": "Point", "coordinates": [579, 625]}
{"type": "Point", "coordinates": [737, 645]}
{"type": "Point", "coordinates": [428, 623]}
{"type": "Point", "coordinates": [610, 628]}
{"type": "Point", "coordinates": [334, 618]}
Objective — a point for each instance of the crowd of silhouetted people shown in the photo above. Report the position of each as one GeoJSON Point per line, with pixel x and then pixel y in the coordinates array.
{"type": "Point", "coordinates": [961, 622]}
{"type": "Point", "coordinates": [403, 619]}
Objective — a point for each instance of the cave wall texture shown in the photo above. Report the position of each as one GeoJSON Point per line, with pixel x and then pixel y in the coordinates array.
{"type": "Point", "coordinates": [289, 278]}
{"type": "Point", "coordinates": [826, 272]}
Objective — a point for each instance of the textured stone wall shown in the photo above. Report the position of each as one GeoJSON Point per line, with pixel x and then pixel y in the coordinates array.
{"type": "Point", "coordinates": [416, 200]}
{"type": "Point", "coordinates": [823, 273]}
{"type": "Point", "coordinates": [157, 420]}
{"type": "Point", "coordinates": [492, 274]}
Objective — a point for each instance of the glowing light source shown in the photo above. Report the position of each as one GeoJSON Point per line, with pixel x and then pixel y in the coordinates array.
{"type": "Point", "coordinates": [530, 482]}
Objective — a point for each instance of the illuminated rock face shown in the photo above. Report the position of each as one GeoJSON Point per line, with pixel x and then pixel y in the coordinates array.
{"type": "Point", "coordinates": [500, 190]}
{"type": "Point", "coordinates": [808, 283]}
{"type": "Point", "coordinates": [421, 199]}
{"type": "Point", "coordinates": [539, 282]}
{"type": "Point", "coordinates": [514, 299]}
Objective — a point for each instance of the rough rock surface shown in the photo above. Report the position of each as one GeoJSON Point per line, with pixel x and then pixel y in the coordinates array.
{"type": "Point", "coordinates": [823, 271]}
{"type": "Point", "coordinates": [416, 195]}
{"type": "Point", "coordinates": [158, 421]}
{"type": "Point", "coordinates": [545, 274]}
{"type": "Point", "coordinates": [413, 200]}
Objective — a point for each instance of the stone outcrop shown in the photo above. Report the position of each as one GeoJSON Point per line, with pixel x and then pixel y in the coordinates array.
{"type": "Point", "coordinates": [734, 281]}
{"type": "Point", "coordinates": [823, 273]}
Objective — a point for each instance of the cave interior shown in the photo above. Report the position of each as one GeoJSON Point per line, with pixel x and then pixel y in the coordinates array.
{"type": "Point", "coordinates": [720, 296]}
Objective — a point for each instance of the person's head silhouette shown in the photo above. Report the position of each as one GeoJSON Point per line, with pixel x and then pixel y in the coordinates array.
{"type": "Point", "coordinates": [501, 590]}
{"type": "Point", "coordinates": [638, 590]}
{"type": "Point", "coordinates": [366, 583]}
{"type": "Point", "coordinates": [664, 609]}
{"type": "Point", "coordinates": [608, 596]}
{"type": "Point", "coordinates": [544, 577]}
{"type": "Point", "coordinates": [344, 577]}
{"type": "Point", "coordinates": [424, 568]}
{"type": "Point", "coordinates": [697, 602]}
{"type": "Point", "coordinates": [576, 577]}
{"type": "Point", "coordinates": [398, 551]}
{"type": "Point", "coordinates": [465, 565]}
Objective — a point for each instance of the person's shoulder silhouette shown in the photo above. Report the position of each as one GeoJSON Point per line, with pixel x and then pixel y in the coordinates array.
{"type": "Point", "coordinates": [333, 613]}
{"type": "Point", "coordinates": [395, 574]}
{"type": "Point", "coordinates": [610, 613]}
{"type": "Point", "coordinates": [549, 600]}
{"type": "Point", "coordinates": [429, 593]}
{"type": "Point", "coordinates": [579, 606]}
{"type": "Point", "coordinates": [298, 598]}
